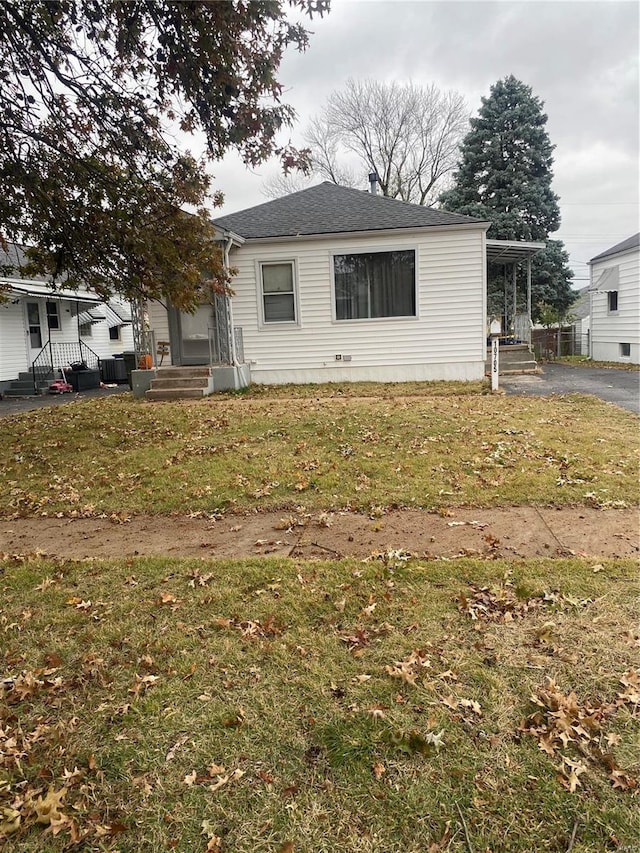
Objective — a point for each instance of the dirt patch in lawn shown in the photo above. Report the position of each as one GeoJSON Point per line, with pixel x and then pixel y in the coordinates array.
{"type": "Point", "coordinates": [516, 532]}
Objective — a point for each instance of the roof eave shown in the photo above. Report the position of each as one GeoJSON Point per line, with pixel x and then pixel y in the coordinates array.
{"type": "Point", "coordinates": [373, 232]}
{"type": "Point", "coordinates": [600, 258]}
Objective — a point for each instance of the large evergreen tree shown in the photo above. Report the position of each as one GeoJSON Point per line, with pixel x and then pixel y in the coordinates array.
{"type": "Point", "coordinates": [504, 176]}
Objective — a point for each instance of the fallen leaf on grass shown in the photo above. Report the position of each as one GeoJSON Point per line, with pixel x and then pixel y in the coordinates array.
{"type": "Point", "coordinates": [379, 770]}
{"type": "Point", "coordinates": [48, 809]}
{"type": "Point", "coordinates": [223, 780]}
{"type": "Point", "coordinates": [570, 780]}
{"type": "Point", "coordinates": [9, 821]}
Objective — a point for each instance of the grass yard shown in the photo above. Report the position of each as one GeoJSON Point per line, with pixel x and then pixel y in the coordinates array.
{"type": "Point", "coordinates": [323, 451]}
{"type": "Point", "coordinates": [287, 707]}
{"type": "Point", "coordinates": [585, 361]}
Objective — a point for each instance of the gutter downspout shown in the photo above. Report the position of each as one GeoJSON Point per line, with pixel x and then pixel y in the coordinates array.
{"type": "Point", "coordinates": [234, 356]}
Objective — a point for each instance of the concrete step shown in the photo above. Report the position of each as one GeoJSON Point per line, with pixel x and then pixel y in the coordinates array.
{"type": "Point", "coordinates": [183, 372]}
{"type": "Point", "coordinates": [11, 392]}
{"type": "Point", "coordinates": [513, 371]}
{"type": "Point", "coordinates": [192, 382]}
{"type": "Point", "coordinates": [514, 358]}
{"type": "Point", "coordinates": [175, 394]}
{"type": "Point", "coordinates": [22, 385]}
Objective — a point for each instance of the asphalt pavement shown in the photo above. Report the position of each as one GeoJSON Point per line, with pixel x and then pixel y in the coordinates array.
{"type": "Point", "coordinates": [18, 405]}
{"type": "Point", "coordinates": [611, 384]}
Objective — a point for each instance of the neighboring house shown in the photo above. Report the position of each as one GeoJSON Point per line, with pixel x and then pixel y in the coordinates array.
{"type": "Point", "coordinates": [615, 303]}
{"type": "Point", "coordinates": [42, 329]}
{"type": "Point", "coordinates": [337, 284]}
{"type": "Point", "coordinates": [580, 319]}
{"type": "Point", "coordinates": [106, 328]}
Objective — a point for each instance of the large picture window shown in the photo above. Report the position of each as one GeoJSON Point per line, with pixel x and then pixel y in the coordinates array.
{"type": "Point", "coordinates": [375, 284]}
{"type": "Point", "coordinates": [278, 292]}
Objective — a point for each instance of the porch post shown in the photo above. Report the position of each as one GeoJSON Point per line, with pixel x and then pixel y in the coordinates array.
{"type": "Point", "coordinates": [234, 355]}
{"type": "Point", "coordinates": [515, 296]}
{"type": "Point", "coordinates": [529, 291]}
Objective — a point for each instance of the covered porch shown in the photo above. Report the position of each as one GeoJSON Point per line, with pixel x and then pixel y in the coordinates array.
{"type": "Point", "coordinates": [513, 257]}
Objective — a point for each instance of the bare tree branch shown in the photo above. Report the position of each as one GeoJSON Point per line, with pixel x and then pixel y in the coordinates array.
{"type": "Point", "coordinates": [407, 134]}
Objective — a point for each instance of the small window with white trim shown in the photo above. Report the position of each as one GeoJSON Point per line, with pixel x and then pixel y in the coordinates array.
{"type": "Point", "coordinates": [85, 330]}
{"type": "Point", "coordinates": [612, 303]}
{"type": "Point", "coordinates": [278, 284]}
{"type": "Point", "coordinates": [114, 333]}
{"type": "Point", "coordinates": [625, 350]}
{"type": "Point", "coordinates": [53, 317]}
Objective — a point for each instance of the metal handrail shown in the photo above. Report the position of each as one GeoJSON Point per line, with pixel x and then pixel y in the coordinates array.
{"type": "Point", "coordinates": [41, 368]}
{"type": "Point", "coordinates": [62, 354]}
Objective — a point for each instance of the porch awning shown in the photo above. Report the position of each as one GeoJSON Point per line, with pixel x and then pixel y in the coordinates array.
{"type": "Point", "coordinates": [41, 289]}
{"type": "Point", "coordinates": [511, 251]}
{"type": "Point", "coordinates": [92, 315]}
{"type": "Point", "coordinates": [608, 282]}
{"type": "Point", "coordinates": [117, 315]}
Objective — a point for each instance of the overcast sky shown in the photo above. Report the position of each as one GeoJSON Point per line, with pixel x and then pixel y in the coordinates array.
{"type": "Point", "coordinates": [580, 58]}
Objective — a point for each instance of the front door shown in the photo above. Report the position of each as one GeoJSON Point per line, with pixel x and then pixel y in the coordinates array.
{"type": "Point", "coordinates": [34, 330]}
{"type": "Point", "coordinates": [194, 332]}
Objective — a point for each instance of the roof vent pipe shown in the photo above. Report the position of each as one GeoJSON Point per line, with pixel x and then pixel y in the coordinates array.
{"type": "Point", "coordinates": [373, 181]}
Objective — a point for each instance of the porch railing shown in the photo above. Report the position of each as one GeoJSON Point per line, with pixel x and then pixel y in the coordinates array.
{"type": "Point", "coordinates": [61, 355]}
{"type": "Point", "coordinates": [220, 351]}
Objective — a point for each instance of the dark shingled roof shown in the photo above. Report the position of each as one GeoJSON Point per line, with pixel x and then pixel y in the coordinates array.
{"type": "Point", "coordinates": [330, 209]}
{"type": "Point", "coordinates": [629, 243]}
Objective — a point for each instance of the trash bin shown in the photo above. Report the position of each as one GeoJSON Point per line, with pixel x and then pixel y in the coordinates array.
{"type": "Point", "coordinates": [130, 364]}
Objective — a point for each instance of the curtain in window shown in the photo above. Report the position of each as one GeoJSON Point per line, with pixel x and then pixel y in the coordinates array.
{"type": "Point", "coordinates": [375, 284]}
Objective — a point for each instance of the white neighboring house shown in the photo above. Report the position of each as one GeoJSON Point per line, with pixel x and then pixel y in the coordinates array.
{"type": "Point", "coordinates": [615, 303]}
{"type": "Point", "coordinates": [106, 328]}
{"type": "Point", "coordinates": [41, 329]}
{"type": "Point", "coordinates": [580, 319]}
{"type": "Point", "coordinates": [337, 284]}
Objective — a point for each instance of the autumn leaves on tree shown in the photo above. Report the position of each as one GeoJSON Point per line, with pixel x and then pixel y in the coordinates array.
{"type": "Point", "coordinates": [93, 98]}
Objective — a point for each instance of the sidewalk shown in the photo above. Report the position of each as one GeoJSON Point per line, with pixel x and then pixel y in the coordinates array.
{"type": "Point", "coordinates": [507, 532]}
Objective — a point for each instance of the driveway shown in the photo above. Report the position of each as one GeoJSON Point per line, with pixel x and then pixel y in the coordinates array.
{"type": "Point", "coordinates": [621, 387]}
{"type": "Point", "coordinates": [18, 405]}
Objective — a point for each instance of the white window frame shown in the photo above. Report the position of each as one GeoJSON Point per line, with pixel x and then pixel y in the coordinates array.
{"type": "Point", "coordinates": [627, 346]}
{"type": "Point", "coordinates": [55, 313]}
{"type": "Point", "coordinates": [368, 251]}
{"type": "Point", "coordinates": [269, 324]}
{"type": "Point", "coordinates": [119, 334]}
{"type": "Point", "coordinates": [611, 310]}
{"type": "Point", "coordinates": [85, 330]}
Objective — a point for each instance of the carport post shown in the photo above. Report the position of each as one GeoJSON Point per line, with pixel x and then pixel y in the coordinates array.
{"type": "Point", "coordinates": [529, 293]}
{"type": "Point", "coordinates": [494, 333]}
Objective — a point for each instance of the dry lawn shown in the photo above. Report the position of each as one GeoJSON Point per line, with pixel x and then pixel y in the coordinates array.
{"type": "Point", "coordinates": [325, 453]}
{"type": "Point", "coordinates": [276, 705]}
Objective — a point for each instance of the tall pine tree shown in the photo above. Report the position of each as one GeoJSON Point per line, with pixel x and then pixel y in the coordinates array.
{"type": "Point", "coordinates": [504, 176]}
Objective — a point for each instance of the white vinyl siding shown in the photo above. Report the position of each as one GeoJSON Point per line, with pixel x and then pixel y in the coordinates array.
{"type": "Point", "coordinates": [446, 338]}
{"type": "Point", "coordinates": [614, 332]}
{"type": "Point", "coordinates": [13, 344]}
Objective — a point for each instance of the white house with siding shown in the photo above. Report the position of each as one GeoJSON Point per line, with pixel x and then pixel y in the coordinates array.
{"type": "Point", "coordinates": [51, 328]}
{"type": "Point", "coordinates": [615, 303]}
{"type": "Point", "coordinates": [336, 284]}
